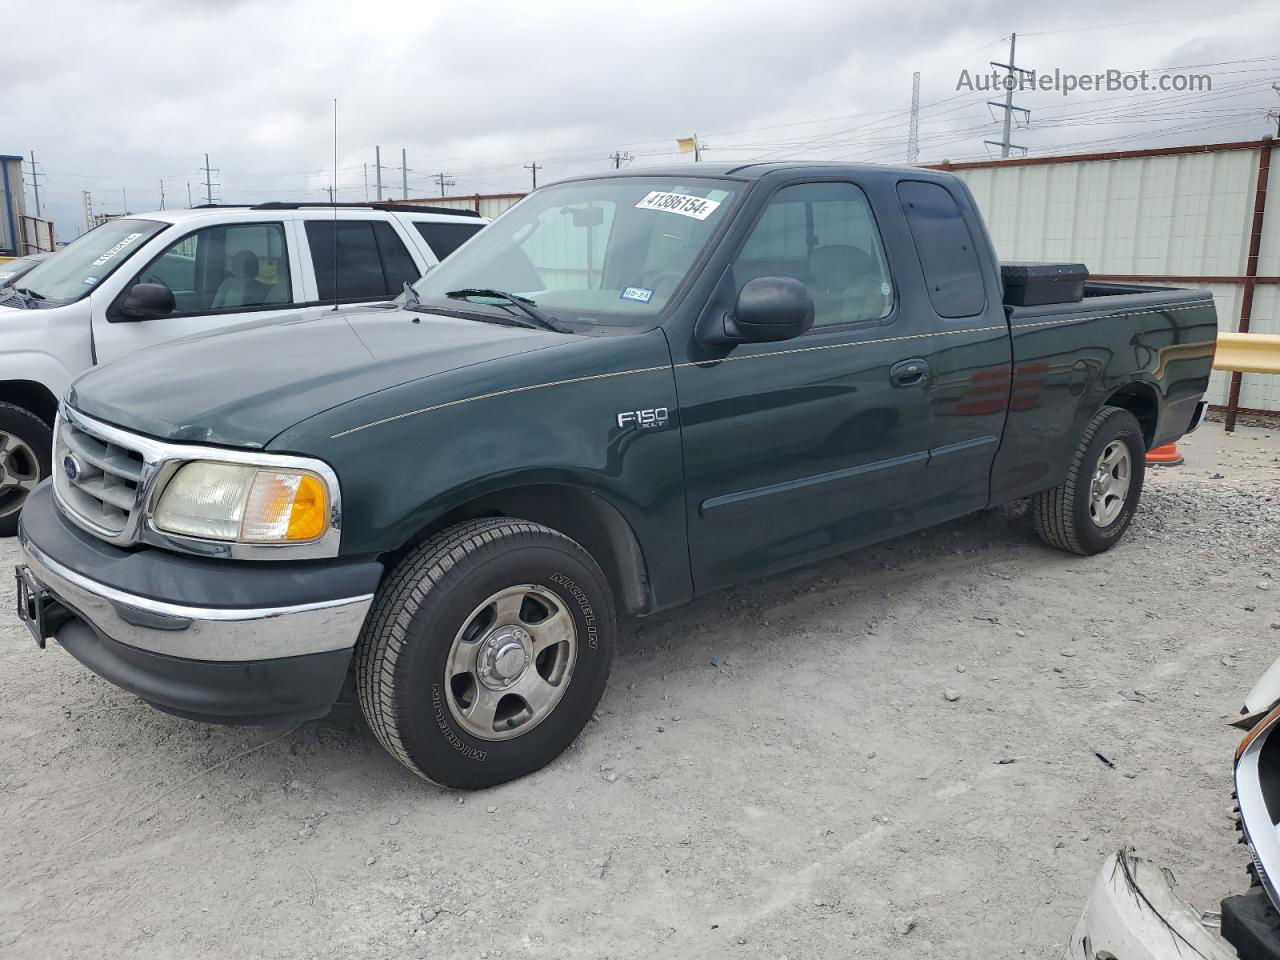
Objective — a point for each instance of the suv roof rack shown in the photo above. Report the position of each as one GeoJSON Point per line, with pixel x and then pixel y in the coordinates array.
{"type": "Point", "coordinates": [300, 204]}
{"type": "Point", "coordinates": [393, 207]}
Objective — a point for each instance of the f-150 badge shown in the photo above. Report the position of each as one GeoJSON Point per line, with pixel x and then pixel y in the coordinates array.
{"type": "Point", "coordinates": [645, 419]}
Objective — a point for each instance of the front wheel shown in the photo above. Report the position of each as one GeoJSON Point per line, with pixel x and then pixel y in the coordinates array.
{"type": "Point", "coordinates": [1091, 510]}
{"type": "Point", "coordinates": [486, 652]}
{"type": "Point", "coordinates": [26, 449]}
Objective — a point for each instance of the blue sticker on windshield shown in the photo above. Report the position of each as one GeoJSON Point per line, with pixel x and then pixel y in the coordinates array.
{"type": "Point", "coordinates": [638, 294]}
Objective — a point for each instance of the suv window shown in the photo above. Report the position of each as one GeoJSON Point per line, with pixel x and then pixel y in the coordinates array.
{"type": "Point", "coordinates": [947, 253]}
{"type": "Point", "coordinates": [444, 238]}
{"type": "Point", "coordinates": [230, 267]}
{"type": "Point", "coordinates": [822, 234]}
{"type": "Point", "coordinates": [372, 264]}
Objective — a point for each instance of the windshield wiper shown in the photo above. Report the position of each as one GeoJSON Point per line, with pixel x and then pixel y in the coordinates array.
{"type": "Point", "coordinates": [526, 306]}
{"type": "Point", "coordinates": [28, 292]}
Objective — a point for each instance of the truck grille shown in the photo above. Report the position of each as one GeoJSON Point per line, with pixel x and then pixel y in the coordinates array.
{"type": "Point", "coordinates": [97, 479]}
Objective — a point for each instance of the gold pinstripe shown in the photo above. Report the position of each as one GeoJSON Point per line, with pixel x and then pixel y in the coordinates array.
{"type": "Point", "coordinates": [752, 356]}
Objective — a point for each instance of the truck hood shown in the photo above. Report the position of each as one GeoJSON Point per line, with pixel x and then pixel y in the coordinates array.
{"type": "Point", "coordinates": [244, 385]}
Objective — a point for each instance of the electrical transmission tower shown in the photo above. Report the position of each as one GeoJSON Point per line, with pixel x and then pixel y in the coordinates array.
{"type": "Point", "coordinates": [35, 183]}
{"type": "Point", "coordinates": [913, 131]}
{"type": "Point", "coordinates": [445, 182]}
{"type": "Point", "coordinates": [1011, 83]}
{"type": "Point", "coordinates": [208, 181]}
{"type": "Point", "coordinates": [620, 158]}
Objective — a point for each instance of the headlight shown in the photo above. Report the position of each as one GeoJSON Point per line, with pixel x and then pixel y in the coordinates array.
{"type": "Point", "coordinates": [245, 504]}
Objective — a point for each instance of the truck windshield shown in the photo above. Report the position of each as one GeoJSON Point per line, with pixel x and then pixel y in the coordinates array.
{"type": "Point", "coordinates": [86, 262]}
{"type": "Point", "coordinates": [592, 250]}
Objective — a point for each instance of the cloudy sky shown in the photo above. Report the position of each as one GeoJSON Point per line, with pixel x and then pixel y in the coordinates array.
{"type": "Point", "coordinates": [115, 98]}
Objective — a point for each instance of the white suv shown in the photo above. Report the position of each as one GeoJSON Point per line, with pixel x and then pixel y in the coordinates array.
{"type": "Point", "coordinates": [147, 278]}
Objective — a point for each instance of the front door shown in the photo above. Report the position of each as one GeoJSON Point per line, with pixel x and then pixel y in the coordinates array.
{"type": "Point", "coordinates": [805, 448]}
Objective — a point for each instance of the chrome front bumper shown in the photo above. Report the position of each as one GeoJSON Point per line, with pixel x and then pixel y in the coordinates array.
{"type": "Point", "coordinates": [1134, 914]}
{"type": "Point", "coordinates": [200, 633]}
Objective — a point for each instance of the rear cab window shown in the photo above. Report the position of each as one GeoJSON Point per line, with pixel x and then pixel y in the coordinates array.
{"type": "Point", "coordinates": [948, 255]}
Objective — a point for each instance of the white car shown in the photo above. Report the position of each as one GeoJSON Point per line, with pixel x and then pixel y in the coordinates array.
{"type": "Point", "coordinates": [143, 279]}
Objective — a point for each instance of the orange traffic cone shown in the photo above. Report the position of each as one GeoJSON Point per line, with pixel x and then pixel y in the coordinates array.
{"type": "Point", "coordinates": [1166, 456]}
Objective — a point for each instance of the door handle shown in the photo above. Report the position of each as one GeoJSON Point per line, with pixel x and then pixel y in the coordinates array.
{"type": "Point", "coordinates": [909, 373]}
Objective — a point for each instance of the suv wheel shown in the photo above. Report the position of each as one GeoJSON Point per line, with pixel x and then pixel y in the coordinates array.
{"type": "Point", "coordinates": [26, 449]}
{"type": "Point", "coordinates": [486, 652]}
{"type": "Point", "coordinates": [1091, 510]}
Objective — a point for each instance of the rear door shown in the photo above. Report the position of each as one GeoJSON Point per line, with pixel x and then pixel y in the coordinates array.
{"type": "Point", "coordinates": [805, 448]}
{"type": "Point", "coordinates": [970, 366]}
{"type": "Point", "coordinates": [358, 257]}
{"type": "Point", "coordinates": [220, 274]}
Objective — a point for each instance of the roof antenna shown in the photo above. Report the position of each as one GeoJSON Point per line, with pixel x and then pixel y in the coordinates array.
{"type": "Point", "coordinates": [333, 198]}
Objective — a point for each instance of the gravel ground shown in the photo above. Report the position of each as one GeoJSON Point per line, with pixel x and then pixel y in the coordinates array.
{"type": "Point", "coordinates": [895, 757]}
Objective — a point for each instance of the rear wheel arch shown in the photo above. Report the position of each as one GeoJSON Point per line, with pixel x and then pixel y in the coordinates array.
{"type": "Point", "coordinates": [586, 518]}
{"type": "Point", "coordinates": [1141, 400]}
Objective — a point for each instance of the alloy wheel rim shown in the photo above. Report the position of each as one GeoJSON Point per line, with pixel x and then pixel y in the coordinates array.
{"type": "Point", "coordinates": [1109, 485]}
{"type": "Point", "coordinates": [511, 662]}
{"type": "Point", "coordinates": [19, 473]}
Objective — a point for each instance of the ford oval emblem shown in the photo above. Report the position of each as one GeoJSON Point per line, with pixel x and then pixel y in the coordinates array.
{"type": "Point", "coordinates": [71, 467]}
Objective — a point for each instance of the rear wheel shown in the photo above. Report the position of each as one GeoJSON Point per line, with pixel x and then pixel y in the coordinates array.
{"type": "Point", "coordinates": [486, 651]}
{"type": "Point", "coordinates": [1091, 510]}
{"type": "Point", "coordinates": [26, 450]}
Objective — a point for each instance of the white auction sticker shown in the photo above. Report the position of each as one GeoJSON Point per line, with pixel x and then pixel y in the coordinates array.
{"type": "Point", "coordinates": [116, 249]}
{"type": "Point", "coordinates": [697, 207]}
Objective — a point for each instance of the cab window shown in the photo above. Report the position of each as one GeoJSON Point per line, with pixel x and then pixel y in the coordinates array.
{"type": "Point", "coordinates": [822, 234]}
{"type": "Point", "coordinates": [227, 268]}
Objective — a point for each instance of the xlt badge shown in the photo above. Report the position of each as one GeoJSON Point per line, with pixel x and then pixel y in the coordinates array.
{"type": "Point", "coordinates": [645, 419]}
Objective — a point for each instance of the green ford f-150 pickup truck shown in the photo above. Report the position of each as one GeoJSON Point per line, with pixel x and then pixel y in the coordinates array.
{"type": "Point", "coordinates": [628, 391]}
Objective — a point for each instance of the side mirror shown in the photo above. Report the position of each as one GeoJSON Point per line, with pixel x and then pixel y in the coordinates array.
{"type": "Point", "coordinates": [768, 309]}
{"type": "Point", "coordinates": [147, 301]}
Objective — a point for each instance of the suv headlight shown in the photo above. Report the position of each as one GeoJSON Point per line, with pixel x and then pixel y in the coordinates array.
{"type": "Point", "coordinates": [245, 504]}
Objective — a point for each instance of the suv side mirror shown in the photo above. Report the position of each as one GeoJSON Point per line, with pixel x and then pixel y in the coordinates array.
{"type": "Point", "coordinates": [147, 301]}
{"type": "Point", "coordinates": [768, 309]}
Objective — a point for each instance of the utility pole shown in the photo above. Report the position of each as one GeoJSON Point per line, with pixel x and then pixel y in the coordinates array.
{"type": "Point", "coordinates": [377, 169]}
{"type": "Point", "coordinates": [124, 199]}
{"type": "Point", "coordinates": [1011, 82]}
{"type": "Point", "coordinates": [35, 183]}
{"type": "Point", "coordinates": [445, 181]}
{"type": "Point", "coordinates": [366, 183]}
{"type": "Point", "coordinates": [329, 190]}
{"type": "Point", "coordinates": [161, 193]}
{"type": "Point", "coordinates": [1271, 114]}
{"type": "Point", "coordinates": [533, 168]}
{"type": "Point", "coordinates": [189, 203]}
{"type": "Point", "coordinates": [913, 131]}
{"type": "Point", "coordinates": [208, 181]}
{"type": "Point", "coordinates": [404, 174]}
{"type": "Point", "coordinates": [619, 159]}
{"type": "Point", "coordinates": [86, 200]}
